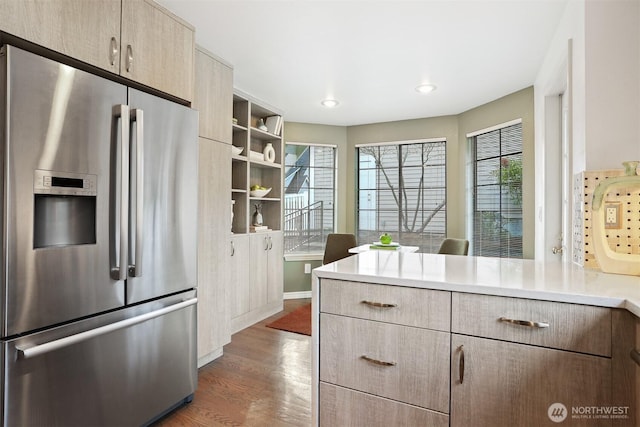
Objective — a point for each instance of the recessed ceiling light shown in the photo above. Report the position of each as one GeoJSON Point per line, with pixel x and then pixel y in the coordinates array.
{"type": "Point", "coordinates": [426, 88]}
{"type": "Point", "coordinates": [329, 103]}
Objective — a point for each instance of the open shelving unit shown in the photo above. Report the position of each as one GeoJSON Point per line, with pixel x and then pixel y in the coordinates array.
{"type": "Point", "coordinates": [257, 257]}
{"type": "Point", "coordinates": [250, 167]}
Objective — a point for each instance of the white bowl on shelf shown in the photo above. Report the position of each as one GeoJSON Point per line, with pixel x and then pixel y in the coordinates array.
{"type": "Point", "coordinates": [259, 193]}
{"type": "Point", "coordinates": [236, 150]}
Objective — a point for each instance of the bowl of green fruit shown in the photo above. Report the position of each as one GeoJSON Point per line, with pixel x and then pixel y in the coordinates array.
{"type": "Point", "coordinates": [258, 191]}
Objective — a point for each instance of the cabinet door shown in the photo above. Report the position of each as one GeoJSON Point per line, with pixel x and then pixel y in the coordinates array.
{"type": "Point", "coordinates": [214, 225]}
{"type": "Point", "coordinates": [636, 360]}
{"type": "Point", "coordinates": [275, 267]}
{"type": "Point", "coordinates": [635, 354]}
{"type": "Point", "coordinates": [214, 97]}
{"type": "Point", "coordinates": [259, 261]}
{"type": "Point", "coordinates": [509, 384]}
{"type": "Point", "coordinates": [239, 282]}
{"type": "Point", "coordinates": [157, 48]}
{"type": "Point", "coordinates": [77, 28]}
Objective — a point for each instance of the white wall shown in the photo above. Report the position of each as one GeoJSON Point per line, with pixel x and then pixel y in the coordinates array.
{"type": "Point", "coordinates": [612, 40]}
{"type": "Point", "coordinates": [601, 75]}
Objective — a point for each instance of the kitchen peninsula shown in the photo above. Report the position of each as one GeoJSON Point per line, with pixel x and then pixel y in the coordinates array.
{"type": "Point", "coordinates": [426, 339]}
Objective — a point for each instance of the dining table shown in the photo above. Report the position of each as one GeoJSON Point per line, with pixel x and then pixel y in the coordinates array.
{"type": "Point", "coordinates": [367, 247]}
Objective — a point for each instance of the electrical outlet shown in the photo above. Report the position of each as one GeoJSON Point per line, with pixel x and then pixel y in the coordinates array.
{"type": "Point", "coordinates": [612, 215]}
{"type": "Point", "coordinates": [307, 269]}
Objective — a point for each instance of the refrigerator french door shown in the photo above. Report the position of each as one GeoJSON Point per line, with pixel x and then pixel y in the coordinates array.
{"type": "Point", "coordinates": [99, 227]}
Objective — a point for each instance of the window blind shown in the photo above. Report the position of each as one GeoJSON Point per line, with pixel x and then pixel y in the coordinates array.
{"type": "Point", "coordinates": [497, 192]}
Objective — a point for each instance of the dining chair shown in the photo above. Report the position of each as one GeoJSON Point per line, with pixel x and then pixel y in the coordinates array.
{"type": "Point", "coordinates": [451, 246]}
{"type": "Point", "coordinates": [337, 247]}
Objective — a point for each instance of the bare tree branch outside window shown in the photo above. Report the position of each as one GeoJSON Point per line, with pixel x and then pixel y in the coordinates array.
{"type": "Point", "coordinates": [410, 180]}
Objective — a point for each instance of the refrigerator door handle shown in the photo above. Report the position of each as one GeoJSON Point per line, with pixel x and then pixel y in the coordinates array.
{"type": "Point", "coordinates": [137, 116]}
{"type": "Point", "coordinates": [37, 350]}
{"type": "Point", "coordinates": [121, 183]}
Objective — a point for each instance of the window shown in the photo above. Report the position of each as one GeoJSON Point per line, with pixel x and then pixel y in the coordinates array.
{"type": "Point", "coordinates": [497, 192]}
{"type": "Point", "coordinates": [402, 191]}
{"type": "Point", "coordinates": [309, 185]}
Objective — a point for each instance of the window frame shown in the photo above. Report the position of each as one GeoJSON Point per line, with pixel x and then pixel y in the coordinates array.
{"type": "Point", "coordinates": [311, 255]}
{"type": "Point", "coordinates": [473, 186]}
{"type": "Point", "coordinates": [400, 168]}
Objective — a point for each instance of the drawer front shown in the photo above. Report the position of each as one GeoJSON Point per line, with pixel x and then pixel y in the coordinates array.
{"type": "Point", "coordinates": [343, 407]}
{"type": "Point", "coordinates": [421, 308]}
{"type": "Point", "coordinates": [398, 362]}
{"type": "Point", "coordinates": [574, 327]}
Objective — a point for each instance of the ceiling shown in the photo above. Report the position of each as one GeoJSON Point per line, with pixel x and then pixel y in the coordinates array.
{"type": "Point", "coordinates": [371, 55]}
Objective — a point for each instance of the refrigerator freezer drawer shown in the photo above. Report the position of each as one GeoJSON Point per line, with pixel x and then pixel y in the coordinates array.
{"type": "Point", "coordinates": [123, 368]}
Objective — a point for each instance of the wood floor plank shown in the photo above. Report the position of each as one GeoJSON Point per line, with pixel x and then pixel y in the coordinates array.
{"type": "Point", "coordinates": [263, 379]}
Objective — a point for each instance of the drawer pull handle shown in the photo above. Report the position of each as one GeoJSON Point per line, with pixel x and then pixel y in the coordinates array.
{"type": "Point", "coordinates": [635, 356]}
{"type": "Point", "coordinates": [528, 323]}
{"type": "Point", "coordinates": [461, 363]}
{"type": "Point", "coordinates": [378, 304]}
{"type": "Point", "coordinates": [377, 362]}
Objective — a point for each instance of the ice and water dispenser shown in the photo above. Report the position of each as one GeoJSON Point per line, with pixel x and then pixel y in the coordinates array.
{"type": "Point", "coordinates": [64, 209]}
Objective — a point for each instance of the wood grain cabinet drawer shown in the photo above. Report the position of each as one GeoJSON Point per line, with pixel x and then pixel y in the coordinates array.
{"type": "Point", "coordinates": [343, 407]}
{"type": "Point", "coordinates": [575, 327]}
{"type": "Point", "coordinates": [421, 308]}
{"type": "Point", "coordinates": [397, 362]}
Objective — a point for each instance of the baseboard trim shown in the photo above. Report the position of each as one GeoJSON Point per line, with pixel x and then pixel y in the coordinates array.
{"type": "Point", "coordinates": [252, 317]}
{"type": "Point", "coordinates": [208, 358]}
{"type": "Point", "coordinates": [297, 295]}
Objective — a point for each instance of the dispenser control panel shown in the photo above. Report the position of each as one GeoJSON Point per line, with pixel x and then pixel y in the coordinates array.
{"type": "Point", "coordinates": [64, 183]}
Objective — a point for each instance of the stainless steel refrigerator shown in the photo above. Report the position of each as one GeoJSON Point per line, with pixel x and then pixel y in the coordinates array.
{"type": "Point", "coordinates": [99, 194]}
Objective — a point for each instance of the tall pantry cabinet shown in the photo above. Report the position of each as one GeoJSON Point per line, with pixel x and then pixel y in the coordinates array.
{"type": "Point", "coordinates": [240, 271]}
{"type": "Point", "coordinates": [213, 99]}
{"type": "Point", "coordinates": [256, 160]}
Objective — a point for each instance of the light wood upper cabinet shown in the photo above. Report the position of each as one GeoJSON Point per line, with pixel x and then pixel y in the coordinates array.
{"type": "Point", "coordinates": [152, 46]}
{"type": "Point", "coordinates": [214, 97]}
{"type": "Point", "coordinates": [157, 48]}
{"type": "Point", "coordinates": [85, 30]}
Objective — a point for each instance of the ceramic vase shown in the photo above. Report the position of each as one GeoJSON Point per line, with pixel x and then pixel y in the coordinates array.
{"type": "Point", "coordinates": [257, 216]}
{"type": "Point", "coordinates": [269, 153]}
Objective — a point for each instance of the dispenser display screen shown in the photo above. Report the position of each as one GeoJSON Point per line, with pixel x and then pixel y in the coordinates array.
{"type": "Point", "coordinates": [57, 181]}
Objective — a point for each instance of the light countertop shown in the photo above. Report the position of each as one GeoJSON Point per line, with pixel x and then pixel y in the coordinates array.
{"type": "Point", "coordinates": [491, 276]}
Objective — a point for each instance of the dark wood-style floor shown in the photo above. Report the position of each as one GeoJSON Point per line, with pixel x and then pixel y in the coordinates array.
{"type": "Point", "coordinates": [263, 379]}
